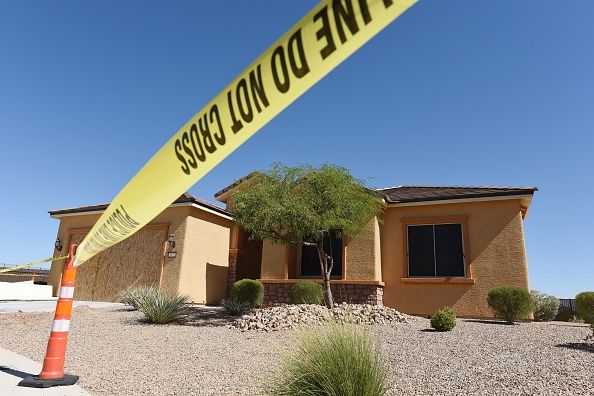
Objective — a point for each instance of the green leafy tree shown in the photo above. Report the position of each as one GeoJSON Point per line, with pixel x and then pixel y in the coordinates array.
{"type": "Point", "coordinates": [303, 205]}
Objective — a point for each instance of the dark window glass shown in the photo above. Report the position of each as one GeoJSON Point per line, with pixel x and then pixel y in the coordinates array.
{"type": "Point", "coordinates": [449, 250]}
{"type": "Point", "coordinates": [421, 260]}
{"type": "Point", "coordinates": [310, 262]}
{"type": "Point", "coordinates": [435, 250]}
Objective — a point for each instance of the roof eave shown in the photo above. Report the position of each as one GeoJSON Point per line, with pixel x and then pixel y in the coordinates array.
{"type": "Point", "coordinates": [525, 199]}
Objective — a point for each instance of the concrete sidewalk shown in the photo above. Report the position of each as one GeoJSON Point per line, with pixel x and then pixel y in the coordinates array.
{"type": "Point", "coordinates": [14, 367]}
{"type": "Point", "coordinates": [47, 305]}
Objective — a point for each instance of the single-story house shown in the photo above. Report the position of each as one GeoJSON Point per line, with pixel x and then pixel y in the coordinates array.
{"type": "Point", "coordinates": [433, 246]}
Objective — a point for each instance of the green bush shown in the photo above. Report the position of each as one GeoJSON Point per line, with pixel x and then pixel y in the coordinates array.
{"type": "Point", "coordinates": [584, 305]}
{"type": "Point", "coordinates": [576, 319]}
{"type": "Point", "coordinates": [510, 302]}
{"type": "Point", "coordinates": [332, 360]}
{"type": "Point", "coordinates": [163, 308]}
{"type": "Point", "coordinates": [134, 295]}
{"type": "Point", "coordinates": [235, 307]}
{"type": "Point", "coordinates": [307, 292]}
{"type": "Point", "coordinates": [444, 319]}
{"type": "Point", "coordinates": [249, 291]}
{"type": "Point", "coordinates": [545, 307]}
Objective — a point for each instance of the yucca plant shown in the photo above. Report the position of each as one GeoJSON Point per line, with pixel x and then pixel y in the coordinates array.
{"type": "Point", "coordinates": [133, 295]}
{"type": "Point", "coordinates": [162, 308]}
{"type": "Point", "coordinates": [336, 360]}
{"type": "Point", "coordinates": [235, 307]}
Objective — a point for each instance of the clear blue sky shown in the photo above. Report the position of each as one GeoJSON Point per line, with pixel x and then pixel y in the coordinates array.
{"type": "Point", "coordinates": [453, 92]}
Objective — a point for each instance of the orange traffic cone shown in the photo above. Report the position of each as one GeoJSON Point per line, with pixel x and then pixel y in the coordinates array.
{"type": "Point", "coordinates": [52, 373]}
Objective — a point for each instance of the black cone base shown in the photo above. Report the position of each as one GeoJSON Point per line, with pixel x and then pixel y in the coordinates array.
{"type": "Point", "coordinates": [36, 382]}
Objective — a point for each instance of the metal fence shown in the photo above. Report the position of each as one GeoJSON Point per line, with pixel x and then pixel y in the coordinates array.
{"type": "Point", "coordinates": [37, 275]}
{"type": "Point", "coordinates": [566, 309]}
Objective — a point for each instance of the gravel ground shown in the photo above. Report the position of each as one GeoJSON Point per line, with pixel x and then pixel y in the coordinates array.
{"type": "Point", "coordinates": [116, 355]}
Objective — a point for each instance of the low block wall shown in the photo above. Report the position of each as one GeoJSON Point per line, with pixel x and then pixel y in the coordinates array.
{"type": "Point", "coordinates": [354, 293]}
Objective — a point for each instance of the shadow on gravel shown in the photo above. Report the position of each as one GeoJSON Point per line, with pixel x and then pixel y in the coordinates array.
{"type": "Point", "coordinates": [486, 321]}
{"type": "Point", "coordinates": [207, 317]}
{"type": "Point", "coordinates": [579, 346]}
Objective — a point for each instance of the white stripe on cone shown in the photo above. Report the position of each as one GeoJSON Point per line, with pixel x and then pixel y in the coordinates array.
{"type": "Point", "coordinates": [66, 291]}
{"type": "Point", "coordinates": [61, 325]}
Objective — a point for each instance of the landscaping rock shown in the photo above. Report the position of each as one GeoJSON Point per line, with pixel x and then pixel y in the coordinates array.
{"type": "Point", "coordinates": [283, 317]}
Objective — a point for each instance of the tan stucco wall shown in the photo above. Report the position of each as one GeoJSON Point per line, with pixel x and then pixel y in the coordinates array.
{"type": "Point", "coordinates": [496, 249]}
{"type": "Point", "coordinates": [274, 260]}
{"type": "Point", "coordinates": [363, 255]}
{"type": "Point", "coordinates": [205, 252]}
{"type": "Point", "coordinates": [71, 228]}
{"type": "Point", "coordinates": [133, 262]}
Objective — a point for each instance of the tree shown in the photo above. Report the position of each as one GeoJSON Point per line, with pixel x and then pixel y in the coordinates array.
{"type": "Point", "coordinates": [303, 205]}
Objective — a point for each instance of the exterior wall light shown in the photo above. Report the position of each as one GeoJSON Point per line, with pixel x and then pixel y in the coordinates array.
{"type": "Point", "coordinates": [58, 245]}
{"type": "Point", "coordinates": [171, 253]}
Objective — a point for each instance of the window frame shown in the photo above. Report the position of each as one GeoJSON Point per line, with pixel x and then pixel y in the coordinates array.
{"type": "Point", "coordinates": [433, 221]}
{"type": "Point", "coordinates": [332, 277]}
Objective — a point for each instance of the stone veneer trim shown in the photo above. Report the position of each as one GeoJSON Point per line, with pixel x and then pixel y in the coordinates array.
{"type": "Point", "coordinates": [355, 293]}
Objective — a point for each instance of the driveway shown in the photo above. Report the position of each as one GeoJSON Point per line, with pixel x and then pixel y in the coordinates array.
{"type": "Point", "coordinates": [47, 305]}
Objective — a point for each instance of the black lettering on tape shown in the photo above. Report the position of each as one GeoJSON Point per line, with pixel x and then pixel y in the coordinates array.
{"type": "Point", "coordinates": [188, 149]}
{"type": "Point", "coordinates": [344, 13]}
{"type": "Point", "coordinates": [118, 224]}
{"type": "Point", "coordinates": [197, 144]}
{"type": "Point", "coordinates": [205, 132]}
{"type": "Point", "coordinates": [237, 125]}
{"type": "Point", "coordinates": [257, 87]}
{"type": "Point", "coordinates": [184, 167]}
{"type": "Point", "coordinates": [278, 55]}
{"type": "Point", "coordinates": [365, 11]}
{"type": "Point", "coordinates": [325, 32]}
{"type": "Point", "coordinates": [296, 43]}
{"type": "Point", "coordinates": [220, 137]}
{"type": "Point", "coordinates": [243, 101]}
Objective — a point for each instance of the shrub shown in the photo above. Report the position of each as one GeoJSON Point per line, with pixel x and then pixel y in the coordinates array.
{"type": "Point", "coordinates": [576, 319]}
{"type": "Point", "coordinates": [444, 319]}
{"type": "Point", "coordinates": [307, 292]}
{"type": "Point", "coordinates": [584, 305]}
{"type": "Point", "coordinates": [332, 360]}
{"type": "Point", "coordinates": [235, 307]}
{"type": "Point", "coordinates": [134, 295]}
{"type": "Point", "coordinates": [163, 308]}
{"type": "Point", "coordinates": [545, 307]}
{"type": "Point", "coordinates": [249, 291]}
{"type": "Point", "coordinates": [509, 302]}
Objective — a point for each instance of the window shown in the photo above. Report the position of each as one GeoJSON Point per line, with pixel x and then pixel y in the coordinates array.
{"type": "Point", "coordinates": [310, 262]}
{"type": "Point", "coordinates": [435, 250]}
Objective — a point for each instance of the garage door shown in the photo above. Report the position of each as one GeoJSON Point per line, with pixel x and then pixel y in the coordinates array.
{"type": "Point", "coordinates": [133, 262]}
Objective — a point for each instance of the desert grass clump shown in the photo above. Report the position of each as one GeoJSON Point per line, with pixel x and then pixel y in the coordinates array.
{"type": "Point", "coordinates": [163, 308]}
{"type": "Point", "coordinates": [337, 360]}
{"type": "Point", "coordinates": [235, 307]}
{"type": "Point", "coordinates": [307, 292]}
{"type": "Point", "coordinates": [510, 303]}
{"type": "Point", "coordinates": [132, 296]}
{"type": "Point", "coordinates": [444, 319]}
{"type": "Point", "coordinates": [545, 307]}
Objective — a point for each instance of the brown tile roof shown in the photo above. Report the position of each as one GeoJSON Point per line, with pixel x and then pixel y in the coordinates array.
{"type": "Point", "coordinates": [402, 194]}
{"type": "Point", "coordinates": [184, 198]}
{"type": "Point", "coordinates": [234, 184]}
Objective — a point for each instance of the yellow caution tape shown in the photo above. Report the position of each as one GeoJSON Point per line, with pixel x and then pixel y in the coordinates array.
{"type": "Point", "coordinates": [16, 267]}
{"type": "Point", "coordinates": [319, 42]}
